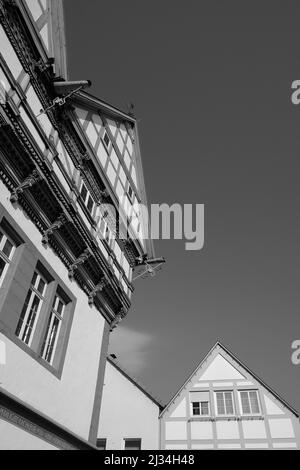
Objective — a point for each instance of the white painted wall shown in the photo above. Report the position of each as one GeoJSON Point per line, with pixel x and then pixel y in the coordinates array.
{"type": "Point", "coordinates": [14, 438]}
{"type": "Point", "coordinates": [68, 401]}
{"type": "Point", "coordinates": [126, 412]}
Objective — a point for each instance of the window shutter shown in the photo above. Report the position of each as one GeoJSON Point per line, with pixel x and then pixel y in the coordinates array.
{"type": "Point", "coordinates": [199, 396]}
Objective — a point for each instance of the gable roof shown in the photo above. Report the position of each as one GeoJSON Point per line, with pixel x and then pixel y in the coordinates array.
{"type": "Point", "coordinates": [122, 371]}
{"type": "Point", "coordinates": [220, 346]}
{"type": "Point", "coordinates": [94, 107]}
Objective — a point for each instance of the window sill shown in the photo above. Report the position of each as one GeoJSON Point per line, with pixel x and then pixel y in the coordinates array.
{"type": "Point", "coordinates": [201, 418]}
{"type": "Point", "coordinates": [214, 418]}
{"type": "Point", "coordinates": [252, 418]}
{"type": "Point", "coordinates": [227, 418]}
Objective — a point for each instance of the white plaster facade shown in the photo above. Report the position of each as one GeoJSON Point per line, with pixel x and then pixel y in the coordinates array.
{"type": "Point", "coordinates": [29, 381]}
{"type": "Point", "coordinates": [127, 411]}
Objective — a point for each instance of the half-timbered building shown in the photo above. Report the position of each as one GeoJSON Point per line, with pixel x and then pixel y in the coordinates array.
{"type": "Point", "coordinates": [71, 183]}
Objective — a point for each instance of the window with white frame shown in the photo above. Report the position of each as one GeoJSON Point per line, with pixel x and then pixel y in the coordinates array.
{"type": "Point", "coordinates": [7, 248]}
{"type": "Point", "coordinates": [31, 309]}
{"type": "Point", "coordinates": [87, 198]}
{"type": "Point", "coordinates": [200, 408]}
{"type": "Point", "coordinates": [224, 402]}
{"type": "Point", "coordinates": [53, 329]}
{"type": "Point", "coordinates": [200, 403]}
{"type": "Point", "coordinates": [250, 402]}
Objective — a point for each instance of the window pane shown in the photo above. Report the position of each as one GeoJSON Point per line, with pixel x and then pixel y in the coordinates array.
{"type": "Point", "coordinates": [2, 266]}
{"type": "Point", "coordinates": [106, 139]}
{"type": "Point", "coordinates": [133, 444]}
{"type": "Point", "coordinates": [60, 307]}
{"type": "Point", "coordinates": [101, 444]}
{"type": "Point", "coordinates": [90, 204]}
{"type": "Point", "coordinates": [51, 334]}
{"type": "Point", "coordinates": [245, 403]}
{"type": "Point", "coordinates": [196, 408]}
{"type": "Point", "coordinates": [53, 329]}
{"type": "Point", "coordinates": [229, 403]}
{"type": "Point", "coordinates": [41, 286]}
{"type": "Point", "coordinates": [83, 192]}
{"type": "Point", "coordinates": [34, 279]}
{"type": "Point", "coordinates": [254, 402]}
{"type": "Point", "coordinates": [24, 309]}
{"type": "Point", "coordinates": [31, 320]}
{"type": "Point", "coordinates": [220, 403]}
{"type": "Point", "coordinates": [7, 249]}
{"type": "Point", "coordinates": [204, 408]}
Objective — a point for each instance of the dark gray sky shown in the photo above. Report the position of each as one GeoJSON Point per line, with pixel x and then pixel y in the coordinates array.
{"type": "Point", "coordinates": [211, 82]}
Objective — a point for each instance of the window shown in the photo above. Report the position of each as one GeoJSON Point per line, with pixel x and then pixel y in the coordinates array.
{"type": "Point", "coordinates": [101, 444]}
{"type": "Point", "coordinates": [133, 444]}
{"type": "Point", "coordinates": [31, 308]}
{"type": "Point", "coordinates": [106, 139]}
{"type": "Point", "coordinates": [130, 194]}
{"type": "Point", "coordinates": [7, 248]}
{"type": "Point", "coordinates": [105, 232]}
{"type": "Point", "coordinates": [250, 402]}
{"type": "Point", "coordinates": [225, 403]}
{"type": "Point", "coordinates": [200, 402]}
{"type": "Point", "coordinates": [36, 308]}
{"type": "Point", "coordinates": [53, 329]}
{"type": "Point", "coordinates": [200, 408]}
{"type": "Point", "coordinates": [87, 198]}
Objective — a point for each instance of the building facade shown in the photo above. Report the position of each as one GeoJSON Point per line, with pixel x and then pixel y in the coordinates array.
{"type": "Point", "coordinates": [223, 405]}
{"type": "Point", "coordinates": [71, 182]}
{"type": "Point", "coordinates": [129, 414]}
